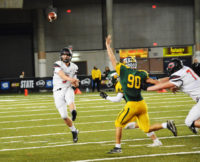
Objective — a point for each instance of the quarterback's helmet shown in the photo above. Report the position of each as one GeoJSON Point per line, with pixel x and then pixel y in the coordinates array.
{"type": "Point", "coordinates": [68, 52]}
{"type": "Point", "coordinates": [130, 62]}
{"type": "Point", "coordinates": [174, 65]}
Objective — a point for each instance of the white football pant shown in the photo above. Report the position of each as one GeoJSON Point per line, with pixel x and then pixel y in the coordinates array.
{"type": "Point", "coordinates": [62, 98]}
{"type": "Point", "coordinates": [193, 114]}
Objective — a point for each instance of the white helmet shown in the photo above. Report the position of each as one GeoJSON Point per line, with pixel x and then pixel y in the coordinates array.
{"type": "Point", "coordinates": [130, 62]}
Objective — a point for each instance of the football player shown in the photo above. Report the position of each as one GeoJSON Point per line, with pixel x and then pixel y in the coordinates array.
{"type": "Point", "coordinates": [132, 80]}
{"type": "Point", "coordinates": [132, 123]}
{"type": "Point", "coordinates": [65, 76]}
{"type": "Point", "coordinates": [185, 79]}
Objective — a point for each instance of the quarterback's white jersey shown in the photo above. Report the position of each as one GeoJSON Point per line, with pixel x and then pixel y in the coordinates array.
{"type": "Point", "coordinates": [188, 81]}
{"type": "Point", "coordinates": [70, 71]}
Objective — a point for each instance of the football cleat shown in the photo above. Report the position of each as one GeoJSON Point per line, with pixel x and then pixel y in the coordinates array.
{"type": "Point", "coordinates": [193, 129]}
{"type": "Point", "coordinates": [155, 144]}
{"type": "Point", "coordinates": [74, 113]}
{"type": "Point", "coordinates": [75, 135]}
{"type": "Point", "coordinates": [115, 150]}
{"type": "Point", "coordinates": [103, 95]}
{"type": "Point", "coordinates": [171, 126]}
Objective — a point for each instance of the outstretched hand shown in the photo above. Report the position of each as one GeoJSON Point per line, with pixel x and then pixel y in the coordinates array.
{"type": "Point", "coordinates": [108, 40]}
{"type": "Point", "coordinates": [75, 82]}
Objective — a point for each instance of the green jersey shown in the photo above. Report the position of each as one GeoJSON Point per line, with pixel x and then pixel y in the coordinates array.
{"type": "Point", "coordinates": [131, 81]}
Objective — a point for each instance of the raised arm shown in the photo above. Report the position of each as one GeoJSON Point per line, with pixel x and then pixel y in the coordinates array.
{"type": "Point", "coordinates": [110, 51]}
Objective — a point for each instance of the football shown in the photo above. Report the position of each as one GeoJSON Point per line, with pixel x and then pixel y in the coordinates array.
{"type": "Point", "coordinates": [52, 16]}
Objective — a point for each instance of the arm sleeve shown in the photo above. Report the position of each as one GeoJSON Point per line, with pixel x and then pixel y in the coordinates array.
{"type": "Point", "coordinates": [115, 98]}
{"type": "Point", "coordinates": [176, 80]}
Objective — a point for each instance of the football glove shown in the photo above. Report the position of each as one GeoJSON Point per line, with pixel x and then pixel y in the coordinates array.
{"type": "Point", "coordinates": [103, 95]}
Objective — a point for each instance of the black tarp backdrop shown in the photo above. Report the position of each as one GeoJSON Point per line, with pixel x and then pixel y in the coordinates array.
{"type": "Point", "coordinates": [136, 24]}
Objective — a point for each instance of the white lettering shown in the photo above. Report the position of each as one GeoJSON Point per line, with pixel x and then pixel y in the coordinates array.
{"type": "Point", "coordinates": [27, 84]}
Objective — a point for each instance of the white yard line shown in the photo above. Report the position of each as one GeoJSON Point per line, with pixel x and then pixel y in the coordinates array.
{"type": "Point", "coordinates": [140, 156]}
{"type": "Point", "coordinates": [91, 116]}
{"type": "Point", "coordinates": [52, 134]}
{"type": "Point", "coordinates": [56, 125]}
{"type": "Point", "coordinates": [94, 107]}
{"type": "Point", "coordinates": [174, 146]}
{"type": "Point", "coordinates": [13, 116]}
{"type": "Point", "coordinates": [85, 143]}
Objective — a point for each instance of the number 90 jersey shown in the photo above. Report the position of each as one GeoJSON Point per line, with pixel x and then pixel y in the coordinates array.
{"type": "Point", "coordinates": [131, 81]}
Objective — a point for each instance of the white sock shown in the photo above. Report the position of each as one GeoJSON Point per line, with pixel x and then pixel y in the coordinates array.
{"type": "Point", "coordinates": [118, 145]}
{"type": "Point", "coordinates": [164, 125]}
{"type": "Point", "coordinates": [72, 128]}
{"type": "Point", "coordinates": [130, 125]}
{"type": "Point", "coordinates": [156, 140]}
{"type": "Point", "coordinates": [150, 134]}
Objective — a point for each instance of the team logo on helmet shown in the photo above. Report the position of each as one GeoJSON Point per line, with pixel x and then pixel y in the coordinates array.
{"type": "Point", "coordinates": [130, 62]}
{"type": "Point", "coordinates": [174, 65]}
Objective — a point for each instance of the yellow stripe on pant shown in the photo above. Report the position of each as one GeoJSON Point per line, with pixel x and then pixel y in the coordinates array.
{"type": "Point", "coordinates": [134, 110]}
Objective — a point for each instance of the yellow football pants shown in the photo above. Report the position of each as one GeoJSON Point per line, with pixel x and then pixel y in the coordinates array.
{"type": "Point", "coordinates": [134, 110]}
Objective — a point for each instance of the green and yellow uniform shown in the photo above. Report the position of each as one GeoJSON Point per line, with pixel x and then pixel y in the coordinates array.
{"type": "Point", "coordinates": [131, 82]}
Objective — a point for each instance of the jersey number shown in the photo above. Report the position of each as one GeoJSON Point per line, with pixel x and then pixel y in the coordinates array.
{"type": "Point", "coordinates": [134, 81]}
{"type": "Point", "coordinates": [189, 71]}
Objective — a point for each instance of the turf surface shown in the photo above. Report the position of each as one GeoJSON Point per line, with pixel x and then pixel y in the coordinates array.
{"type": "Point", "coordinates": [32, 130]}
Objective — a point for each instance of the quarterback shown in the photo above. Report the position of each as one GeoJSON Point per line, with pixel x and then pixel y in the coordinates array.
{"type": "Point", "coordinates": [63, 79]}
{"type": "Point", "coordinates": [183, 78]}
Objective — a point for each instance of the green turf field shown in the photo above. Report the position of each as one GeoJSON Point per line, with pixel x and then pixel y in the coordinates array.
{"type": "Point", "coordinates": [32, 130]}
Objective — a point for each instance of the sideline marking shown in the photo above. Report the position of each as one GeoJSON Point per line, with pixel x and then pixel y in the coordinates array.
{"type": "Point", "coordinates": [84, 143]}
{"type": "Point", "coordinates": [8, 100]}
{"type": "Point", "coordinates": [140, 156]}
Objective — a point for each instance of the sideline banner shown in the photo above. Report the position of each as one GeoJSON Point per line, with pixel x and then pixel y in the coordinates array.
{"type": "Point", "coordinates": [139, 53]}
{"type": "Point", "coordinates": [177, 51]}
{"type": "Point", "coordinates": [36, 84]}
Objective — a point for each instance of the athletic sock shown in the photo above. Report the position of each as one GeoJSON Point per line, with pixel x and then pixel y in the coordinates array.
{"type": "Point", "coordinates": [164, 125]}
{"type": "Point", "coordinates": [118, 145]}
{"type": "Point", "coordinates": [72, 128]}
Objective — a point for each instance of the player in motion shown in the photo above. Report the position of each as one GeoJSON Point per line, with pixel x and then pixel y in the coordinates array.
{"type": "Point", "coordinates": [131, 81]}
{"type": "Point", "coordinates": [132, 63]}
{"type": "Point", "coordinates": [63, 79]}
{"type": "Point", "coordinates": [183, 78]}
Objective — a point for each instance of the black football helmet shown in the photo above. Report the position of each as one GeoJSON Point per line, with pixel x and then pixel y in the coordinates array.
{"type": "Point", "coordinates": [174, 65]}
{"type": "Point", "coordinates": [68, 52]}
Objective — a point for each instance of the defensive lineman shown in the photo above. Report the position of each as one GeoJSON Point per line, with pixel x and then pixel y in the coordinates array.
{"type": "Point", "coordinates": [63, 79]}
{"type": "Point", "coordinates": [188, 81]}
{"type": "Point", "coordinates": [131, 81]}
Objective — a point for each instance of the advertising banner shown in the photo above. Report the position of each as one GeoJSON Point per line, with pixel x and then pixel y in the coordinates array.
{"type": "Point", "coordinates": [177, 51]}
{"type": "Point", "coordinates": [36, 84]}
{"type": "Point", "coordinates": [141, 53]}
